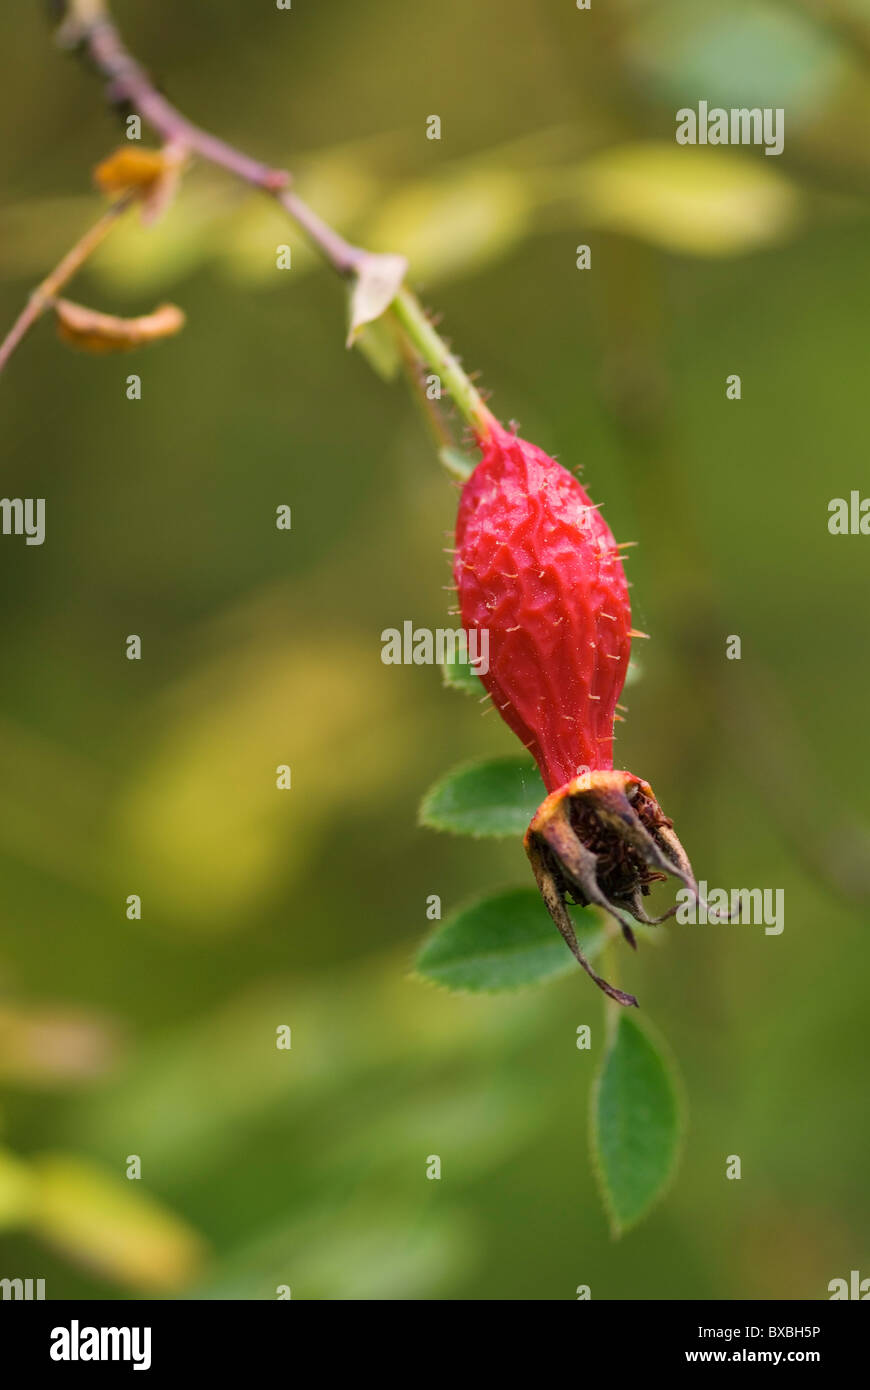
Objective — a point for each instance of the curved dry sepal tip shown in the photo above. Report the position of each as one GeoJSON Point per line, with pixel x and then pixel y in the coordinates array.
{"type": "Point", "coordinates": [553, 895]}
{"type": "Point", "coordinates": [639, 914]}
{"type": "Point", "coordinates": [603, 839]}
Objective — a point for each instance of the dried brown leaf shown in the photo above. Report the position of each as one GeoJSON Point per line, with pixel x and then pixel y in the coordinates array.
{"type": "Point", "coordinates": [93, 331]}
{"type": "Point", "coordinates": [151, 174]}
{"type": "Point", "coordinates": [130, 168]}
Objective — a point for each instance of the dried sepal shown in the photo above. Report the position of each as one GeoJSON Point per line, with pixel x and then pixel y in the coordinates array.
{"type": "Point", "coordinates": [378, 280]}
{"type": "Point", "coordinates": [603, 839]}
{"type": "Point", "coordinates": [75, 17]}
{"type": "Point", "coordinates": [92, 331]}
{"type": "Point", "coordinates": [552, 890]}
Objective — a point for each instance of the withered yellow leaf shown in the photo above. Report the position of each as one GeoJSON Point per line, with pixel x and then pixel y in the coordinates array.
{"type": "Point", "coordinates": [152, 175]}
{"type": "Point", "coordinates": [130, 168]}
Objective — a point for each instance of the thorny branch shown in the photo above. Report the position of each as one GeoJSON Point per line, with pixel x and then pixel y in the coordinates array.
{"type": "Point", "coordinates": [129, 83]}
{"type": "Point", "coordinates": [378, 279]}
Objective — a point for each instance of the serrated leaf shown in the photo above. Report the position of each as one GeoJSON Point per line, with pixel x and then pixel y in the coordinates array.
{"type": "Point", "coordinates": [637, 1122]}
{"type": "Point", "coordinates": [458, 675]}
{"type": "Point", "coordinates": [504, 942]}
{"type": "Point", "coordinates": [496, 797]}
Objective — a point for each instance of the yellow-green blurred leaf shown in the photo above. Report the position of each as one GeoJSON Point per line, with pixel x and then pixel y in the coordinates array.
{"type": "Point", "coordinates": [110, 1224]}
{"type": "Point", "coordinates": [209, 1080]}
{"type": "Point", "coordinates": [209, 830]}
{"type": "Point", "coordinates": [695, 200]}
{"type": "Point", "coordinates": [338, 186]}
{"type": "Point", "coordinates": [47, 1047]}
{"type": "Point", "coordinates": [248, 250]}
{"type": "Point", "coordinates": [16, 1190]}
{"type": "Point", "coordinates": [453, 223]}
{"type": "Point", "coordinates": [139, 258]}
{"type": "Point", "coordinates": [365, 1250]}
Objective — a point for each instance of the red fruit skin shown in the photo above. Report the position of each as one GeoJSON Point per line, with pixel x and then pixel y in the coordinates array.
{"type": "Point", "coordinates": [537, 566]}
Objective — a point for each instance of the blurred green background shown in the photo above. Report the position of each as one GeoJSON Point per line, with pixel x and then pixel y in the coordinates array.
{"type": "Point", "coordinates": [260, 647]}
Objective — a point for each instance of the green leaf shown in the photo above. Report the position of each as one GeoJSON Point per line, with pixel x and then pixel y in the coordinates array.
{"type": "Point", "coordinates": [504, 942]}
{"type": "Point", "coordinates": [495, 797]}
{"type": "Point", "coordinates": [637, 1123]}
{"type": "Point", "coordinates": [458, 675]}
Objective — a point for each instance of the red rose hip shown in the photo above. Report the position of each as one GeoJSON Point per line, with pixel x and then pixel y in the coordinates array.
{"type": "Point", "coordinates": [537, 567]}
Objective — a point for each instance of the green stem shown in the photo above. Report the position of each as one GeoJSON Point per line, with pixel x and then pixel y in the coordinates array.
{"type": "Point", "coordinates": [432, 348]}
{"type": "Point", "coordinates": [432, 417]}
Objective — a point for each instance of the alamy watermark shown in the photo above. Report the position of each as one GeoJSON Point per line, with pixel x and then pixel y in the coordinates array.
{"type": "Point", "coordinates": [855, 1288]}
{"type": "Point", "coordinates": [444, 646]}
{"type": "Point", "coordinates": [23, 516]}
{"type": "Point", "coordinates": [849, 516]}
{"type": "Point", "coordinates": [760, 907]}
{"type": "Point", "coordinates": [77, 1343]}
{"type": "Point", "coordinates": [24, 1289]}
{"type": "Point", "coordinates": [741, 125]}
